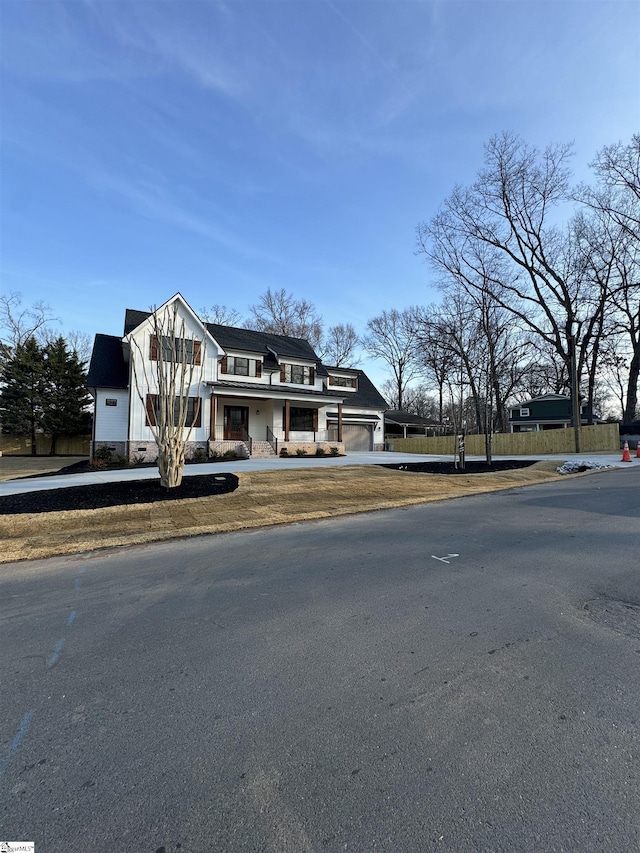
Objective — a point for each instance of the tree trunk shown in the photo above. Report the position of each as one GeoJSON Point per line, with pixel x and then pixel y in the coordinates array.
{"type": "Point", "coordinates": [632, 390]}
{"type": "Point", "coordinates": [171, 460]}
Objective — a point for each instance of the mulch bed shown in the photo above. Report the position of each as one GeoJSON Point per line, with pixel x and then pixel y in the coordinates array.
{"type": "Point", "coordinates": [469, 468]}
{"type": "Point", "coordinates": [99, 495]}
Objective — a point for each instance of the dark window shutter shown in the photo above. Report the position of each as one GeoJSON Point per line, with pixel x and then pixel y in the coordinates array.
{"type": "Point", "coordinates": [332, 380]}
{"type": "Point", "coordinates": [315, 420]}
{"type": "Point", "coordinates": [197, 347]}
{"type": "Point", "coordinates": [223, 365]}
{"type": "Point", "coordinates": [153, 348]}
{"type": "Point", "coordinates": [258, 369]}
{"type": "Point", "coordinates": [312, 375]}
{"type": "Point", "coordinates": [282, 373]}
{"type": "Point", "coordinates": [150, 419]}
{"type": "Point", "coordinates": [198, 412]}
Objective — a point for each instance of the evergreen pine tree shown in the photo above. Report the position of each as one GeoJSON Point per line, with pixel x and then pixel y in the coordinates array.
{"type": "Point", "coordinates": [22, 395]}
{"type": "Point", "coordinates": [66, 392]}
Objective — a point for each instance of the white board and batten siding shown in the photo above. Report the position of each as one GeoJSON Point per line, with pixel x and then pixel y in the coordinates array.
{"type": "Point", "coordinates": [210, 352]}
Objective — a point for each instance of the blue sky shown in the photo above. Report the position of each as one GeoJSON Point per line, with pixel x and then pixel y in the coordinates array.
{"type": "Point", "coordinates": [221, 148]}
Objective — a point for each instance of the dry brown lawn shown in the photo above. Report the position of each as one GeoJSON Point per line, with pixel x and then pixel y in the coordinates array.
{"type": "Point", "coordinates": [262, 498]}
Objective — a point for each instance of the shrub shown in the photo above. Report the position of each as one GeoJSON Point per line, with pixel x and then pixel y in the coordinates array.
{"type": "Point", "coordinates": [139, 459]}
{"type": "Point", "coordinates": [199, 455]}
{"type": "Point", "coordinates": [301, 452]}
{"type": "Point", "coordinates": [229, 454]}
{"type": "Point", "coordinates": [334, 451]}
{"type": "Point", "coordinates": [320, 451]}
{"type": "Point", "coordinates": [103, 454]}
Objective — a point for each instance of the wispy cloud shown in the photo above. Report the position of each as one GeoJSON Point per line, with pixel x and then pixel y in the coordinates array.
{"type": "Point", "coordinates": [76, 42]}
{"type": "Point", "coordinates": [152, 200]}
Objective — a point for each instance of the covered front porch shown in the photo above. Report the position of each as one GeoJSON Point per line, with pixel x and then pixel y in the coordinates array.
{"type": "Point", "coordinates": [265, 424]}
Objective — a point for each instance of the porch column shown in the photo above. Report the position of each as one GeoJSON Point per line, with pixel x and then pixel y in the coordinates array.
{"type": "Point", "coordinates": [214, 414]}
{"type": "Point", "coordinates": [287, 419]}
{"type": "Point", "coordinates": [340, 421]}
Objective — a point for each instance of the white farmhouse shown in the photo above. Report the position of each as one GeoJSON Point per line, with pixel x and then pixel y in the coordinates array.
{"type": "Point", "coordinates": [254, 392]}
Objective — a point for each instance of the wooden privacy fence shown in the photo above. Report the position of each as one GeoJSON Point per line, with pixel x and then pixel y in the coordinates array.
{"type": "Point", "coordinates": [68, 445]}
{"type": "Point", "coordinates": [592, 438]}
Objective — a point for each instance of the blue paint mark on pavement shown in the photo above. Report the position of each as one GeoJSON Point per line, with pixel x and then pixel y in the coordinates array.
{"type": "Point", "coordinates": [53, 660]}
{"type": "Point", "coordinates": [15, 743]}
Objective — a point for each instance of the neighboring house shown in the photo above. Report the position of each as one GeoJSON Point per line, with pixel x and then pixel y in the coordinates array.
{"type": "Point", "coordinates": [257, 393]}
{"type": "Point", "coordinates": [550, 411]}
{"type": "Point", "coordinates": [401, 424]}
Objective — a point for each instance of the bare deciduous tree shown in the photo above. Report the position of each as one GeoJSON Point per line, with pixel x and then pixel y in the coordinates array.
{"type": "Point", "coordinates": [221, 315]}
{"type": "Point", "coordinates": [166, 393]}
{"type": "Point", "coordinates": [618, 194]}
{"type": "Point", "coordinates": [338, 347]}
{"type": "Point", "coordinates": [77, 342]}
{"type": "Point", "coordinates": [500, 234]}
{"type": "Point", "coordinates": [279, 312]}
{"type": "Point", "coordinates": [615, 201]}
{"type": "Point", "coordinates": [18, 324]}
{"type": "Point", "coordinates": [391, 337]}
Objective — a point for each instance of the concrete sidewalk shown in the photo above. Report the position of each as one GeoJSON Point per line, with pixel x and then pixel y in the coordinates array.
{"type": "Point", "coordinates": [34, 484]}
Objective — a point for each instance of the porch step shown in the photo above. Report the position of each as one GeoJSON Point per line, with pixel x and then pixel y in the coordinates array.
{"type": "Point", "coordinates": [261, 450]}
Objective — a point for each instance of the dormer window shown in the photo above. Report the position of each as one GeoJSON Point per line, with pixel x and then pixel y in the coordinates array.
{"type": "Point", "coordinates": [343, 381]}
{"type": "Point", "coordinates": [524, 413]}
{"type": "Point", "coordinates": [297, 374]}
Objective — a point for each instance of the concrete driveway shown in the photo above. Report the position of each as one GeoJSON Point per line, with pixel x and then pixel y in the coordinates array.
{"type": "Point", "coordinates": [12, 487]}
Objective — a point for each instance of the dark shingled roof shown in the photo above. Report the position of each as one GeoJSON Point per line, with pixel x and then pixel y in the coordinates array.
{"type": "Point", "coordinates": [401, 417]}
{"type": "Point", "coordinates": [366, 397]}
{"type": "Point", "coordinates": [107, 368]}
{"type": "Point", "coordinates": [245, 340]}
{"type": "Point", "coordinates": [248, 340]}
{"type": "Point", "coordinates": [132, 319]}
{"type": "Point", "coordinates": [273, 390]}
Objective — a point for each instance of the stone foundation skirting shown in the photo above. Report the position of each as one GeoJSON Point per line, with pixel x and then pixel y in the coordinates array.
{"type": "Point", "coordinates": [219, 448]}
{"type": "Point", "coordinates": [310, 447]}
{"type": "Point", "coordinates": [141, 452]}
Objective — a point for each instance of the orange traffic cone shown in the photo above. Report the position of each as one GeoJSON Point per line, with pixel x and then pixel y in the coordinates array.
{"type": "Point", "coordinates": [626, 456]}
{"type": "Point", "coordinates": [638, 449]}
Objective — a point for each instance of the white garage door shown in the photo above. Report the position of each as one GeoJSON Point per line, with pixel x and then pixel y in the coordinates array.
{"type": "Point", "coordinates": [357, 437]}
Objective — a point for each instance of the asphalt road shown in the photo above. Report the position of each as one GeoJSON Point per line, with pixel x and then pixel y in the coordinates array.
{"type": "Point", "coordinates": [458, 676]}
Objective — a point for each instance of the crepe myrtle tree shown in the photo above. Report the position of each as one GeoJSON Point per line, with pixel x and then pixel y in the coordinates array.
{"type": "Point", "coordinates": [176, 363]}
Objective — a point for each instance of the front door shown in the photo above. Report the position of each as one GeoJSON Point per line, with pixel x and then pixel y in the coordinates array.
{"type": "Point", "coordinates": [236, 422]}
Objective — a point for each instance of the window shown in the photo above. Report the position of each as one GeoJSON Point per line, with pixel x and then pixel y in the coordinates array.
{"type": "Point", "coordinates": [302, 420]}
{"type": "Point", "coordinates": [194, 411]}
{"type": "Point", "coordinates": [186, 349]}
{"type": "Point", "coordinates": [238, 366]}
{"type": "Point", "coordinates": [343, 381]}
{"type": "Point", "coordinates": [524, 413]}
{"type": "Point", "coordinates": [297, 374]}
{"type": "Point", "coordinates": [111, 401]}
